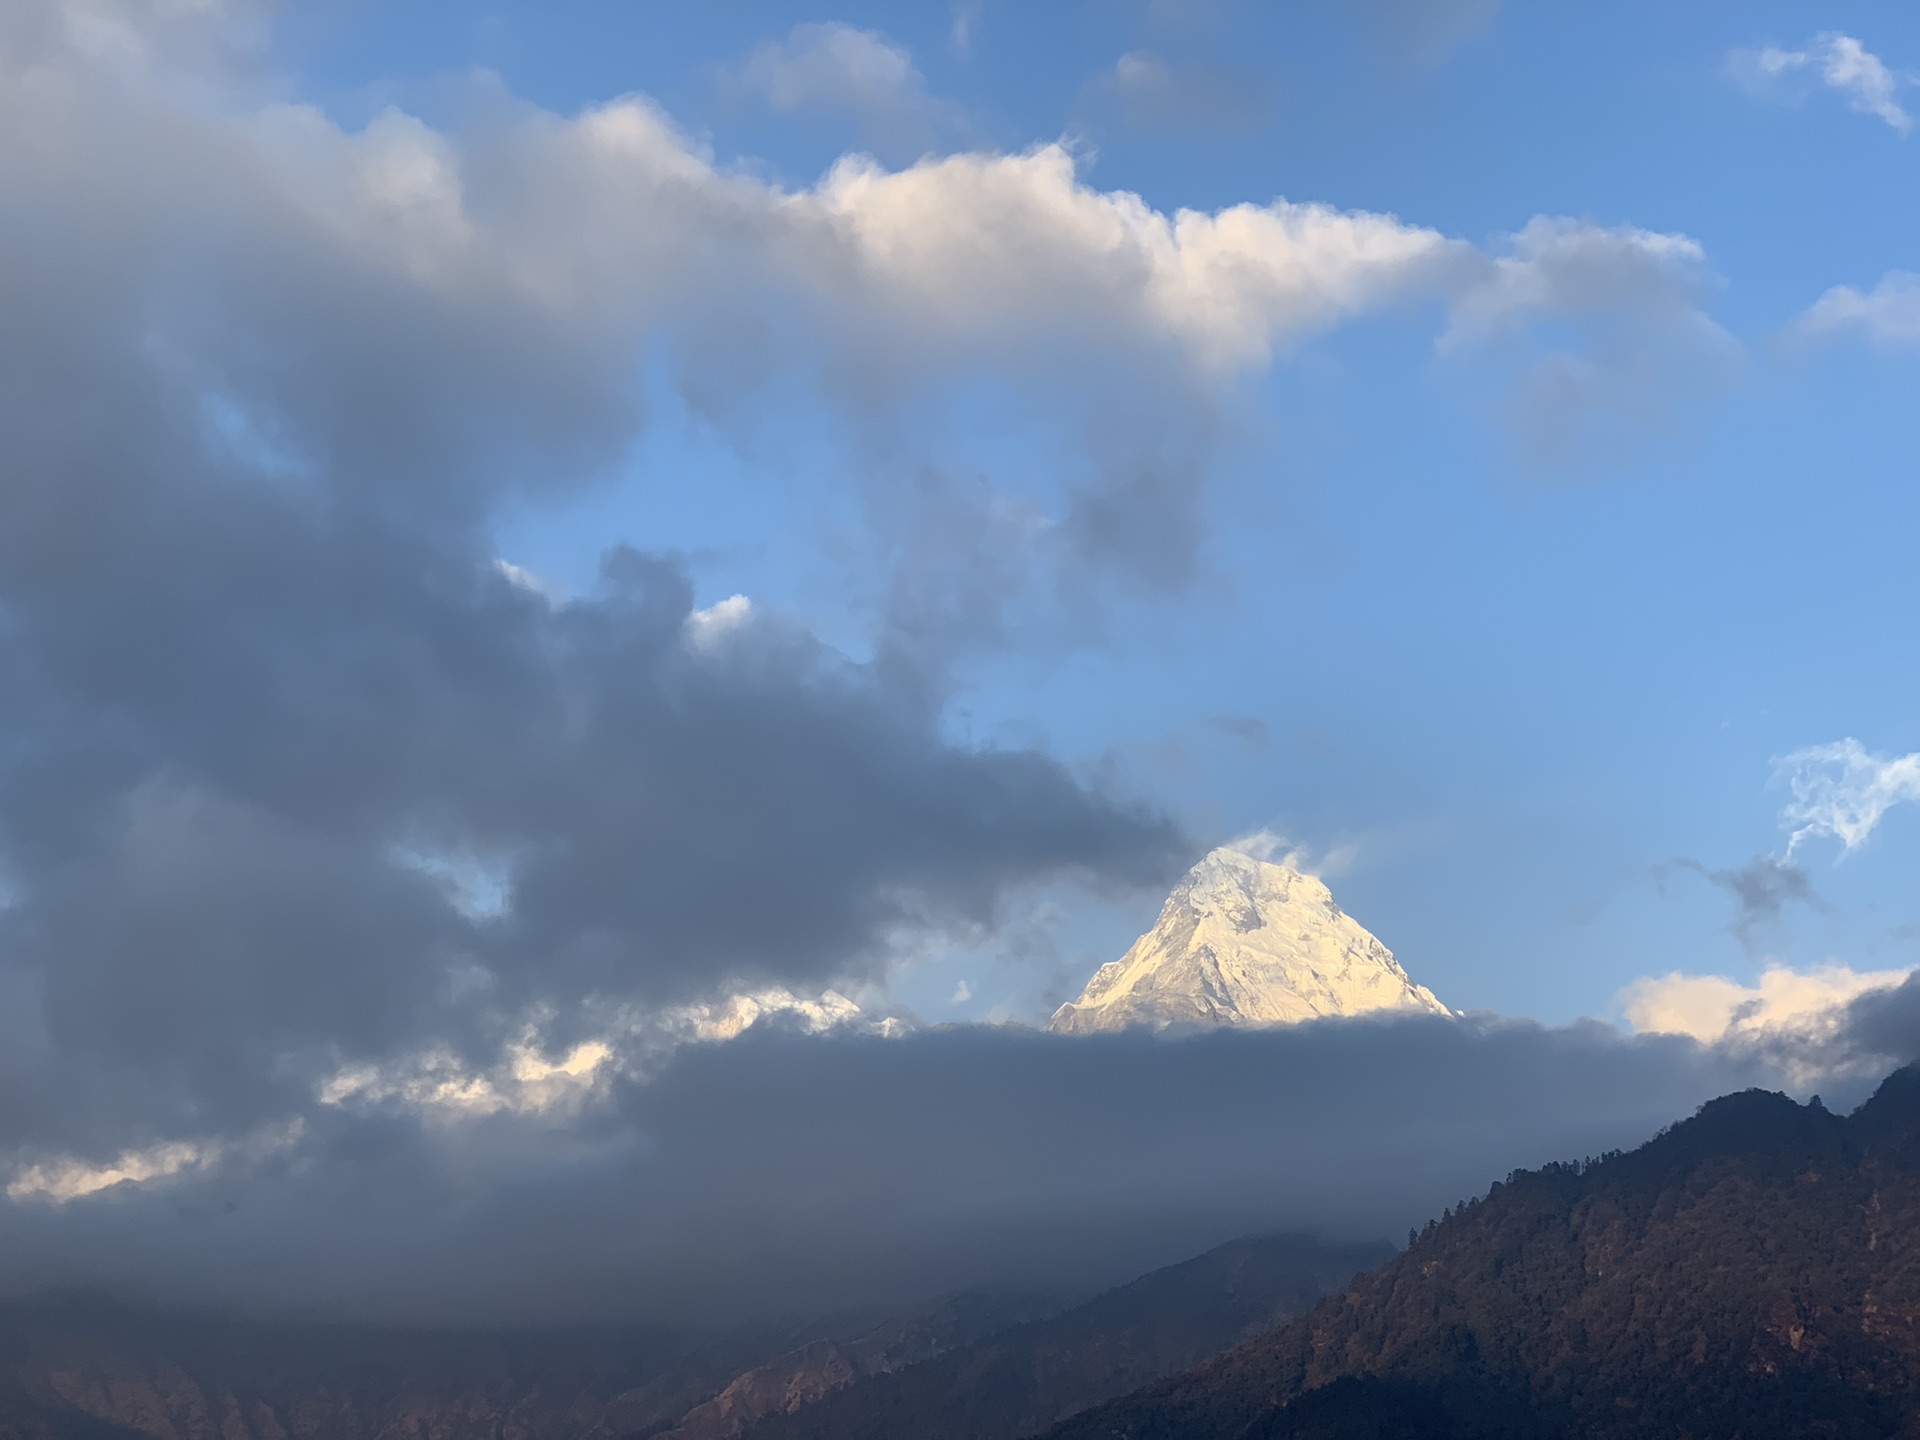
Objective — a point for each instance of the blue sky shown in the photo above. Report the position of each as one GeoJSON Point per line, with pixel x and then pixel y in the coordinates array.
{"type": "Point", "coordinates": [1509, 689]}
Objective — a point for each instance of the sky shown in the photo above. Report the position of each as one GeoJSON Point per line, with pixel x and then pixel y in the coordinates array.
{"type": "Point", "coordinates": [1435, 567]}
{"type": "Point", "coordinates": [605, 605]}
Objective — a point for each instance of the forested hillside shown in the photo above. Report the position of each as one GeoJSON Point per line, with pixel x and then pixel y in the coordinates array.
{"type": "Point", "coordinates": [1752, 1272]}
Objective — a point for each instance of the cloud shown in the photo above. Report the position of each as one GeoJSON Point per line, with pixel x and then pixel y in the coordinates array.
{"type": "Point", "coordinates": [1843, 790]}
{"type": "Point", "coordinates": [786, 1171]}
{"type": "Point", "coordinates": [1889, 314]}
{"type": "Point", "coordinates": [999, 250]}
{"type": "Point", "coordinates": [317, 820]}
{"type": "Point", "coordinates": [1820, 1027]}
{"type": "Point", "coordinates": [960, 32]}
{"type": "Point", "coordinates": [301, 779]}
{"type": "Point", "coordinates": [1267, 844]}
{"type": "Point", "coordinates": [1599, 333]}
{"type": "Point", "coordinates": [833, 67]}
{"type": "Point", "coordinates": [1713, 1008]}
{"type": "Point", "coordinates": [1762, 888]}
{"type": "Point", "coordinates": [1839, 62]}
{"type": "Point", "coordinates": [1150, 91]}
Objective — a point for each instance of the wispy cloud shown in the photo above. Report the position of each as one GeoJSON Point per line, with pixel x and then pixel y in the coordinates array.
{"type": "Point", "coordinates": [833, 67]}
{"type": "Point", "coordinates": [960, 32]}
{"type": "Point", "coordinates": [1151, 92]}
{"type": "Point", "coordinates": [1843, 790]}
{"type": "Point", "coordinates": [1837, 61]}
{"type": "Point", "coordinates": [1761, 888]}
{"type": "Point", "coordinates": [1271, 845]}
{"type": "Point", "coordinates": [1889, 314]}
{"type": "Point", "coordinates": [1598, 334]}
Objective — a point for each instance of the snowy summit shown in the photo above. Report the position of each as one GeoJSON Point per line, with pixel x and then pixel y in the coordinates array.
{"type": "Point", "coordinates": [1243, 941]}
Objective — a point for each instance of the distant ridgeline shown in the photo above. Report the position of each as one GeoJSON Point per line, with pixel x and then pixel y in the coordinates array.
{"type": "Point", "coordinates": [1752, 1272]}
{"type": "Point", "coordinates": [979, 1366]}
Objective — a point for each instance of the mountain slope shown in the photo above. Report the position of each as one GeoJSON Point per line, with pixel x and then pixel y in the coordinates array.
{"type": "Point", "coordinates": [75, 1369]}
{"type": "Point", "coordinates": [1242, 941]}
{"type": "Point", "coordinates": [86, 1368]}
{"type": "Point", "coordinates": [1753, 1272]}
{"type": "Point", "coordinates": [812, 1372]}
{"type": "Point", "coordinates": [1023, 1379]}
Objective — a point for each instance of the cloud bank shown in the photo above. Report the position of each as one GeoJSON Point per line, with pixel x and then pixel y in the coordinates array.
{"type": "Point", "coordinates": [788, 1171]}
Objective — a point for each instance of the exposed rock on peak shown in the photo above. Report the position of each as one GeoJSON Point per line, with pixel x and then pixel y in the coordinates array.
{"type": "Point", "coordinates": [1243, 941]}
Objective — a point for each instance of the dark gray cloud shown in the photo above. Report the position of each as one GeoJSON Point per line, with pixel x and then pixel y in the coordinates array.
{"type": "Point", "coordinates": [266, 689]}
{"type": "Point", "coordinates": [789, 1171]}
{"type": "Point", "coordinates": [1884, 1025]}
{"type": "Point", "coordinates": [1761, 890]}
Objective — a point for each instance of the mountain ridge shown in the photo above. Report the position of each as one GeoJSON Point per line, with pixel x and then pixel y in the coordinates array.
{"type": "Point", "coordinates": [1018, 1381]}
{"type": "Point", "coordinates": [1751, 1272]}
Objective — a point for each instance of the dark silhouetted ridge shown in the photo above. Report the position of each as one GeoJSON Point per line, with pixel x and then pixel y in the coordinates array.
{"type": "Point", "coordinates": [1752, 1272]}
{"type": "Point", "coordinates": [1025, 1378]}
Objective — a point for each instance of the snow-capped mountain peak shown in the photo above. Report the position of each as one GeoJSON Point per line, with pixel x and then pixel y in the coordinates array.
{"type": "Point", "coordinates": [1243, 941]}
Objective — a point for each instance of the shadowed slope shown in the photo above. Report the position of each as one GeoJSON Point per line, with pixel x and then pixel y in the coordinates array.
{"type": "Point", "coordinates": [1025, 1378]}
{"type": "Point", "coordinates": [1753, 1272]}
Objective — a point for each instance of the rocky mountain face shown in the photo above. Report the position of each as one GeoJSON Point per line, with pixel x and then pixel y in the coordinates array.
{"type": "Point", "coordinates": [1021, 1380]}
{"type": "Point", "coordinates": [1753, 1272]}
{"type": "Point", "coordinates": [1243, 941]}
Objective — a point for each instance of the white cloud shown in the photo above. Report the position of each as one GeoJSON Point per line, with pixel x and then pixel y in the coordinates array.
{"type": "Point", "coordinates": [1802, 1022]}
{"type": "Point", "coordinates": [69, 1177]}
{"type": "Point", "coordinates": [1889, 314]}
{"type": "Point", "coordinates": [591, 233]}
{"type": "Point", "coordinates": [527, 1081]}
{"type": "Point", "coordinates": [1713, 1008]}
{"type": "Point", "coordinates": [1016, 248]}
{"type": "Point", "coordinates": [1843, 790]}
{"type": "Point", "coordinates": [524, 579]}
{"type": "Point", "coordinates": [1271, 845]}
{"type": "Point", "coordinates": [711, 626]}
{"type": "Point", "coordinates": [529, 1077]}
{"type": "Point", "coordinates": [1841, 63]}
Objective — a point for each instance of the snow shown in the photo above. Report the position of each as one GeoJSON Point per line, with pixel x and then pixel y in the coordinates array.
{"type": "Point", "coordinates": [1243, 941]}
